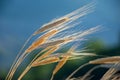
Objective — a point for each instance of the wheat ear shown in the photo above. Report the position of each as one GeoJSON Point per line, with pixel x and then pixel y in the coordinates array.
{"type": "Point", "coordinates": [22, 57]}
{"type": "Point", "coordinates": [106, 60]}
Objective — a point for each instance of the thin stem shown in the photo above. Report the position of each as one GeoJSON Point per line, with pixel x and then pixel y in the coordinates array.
{"type": "Point", "coordinates": [76, 71]}
{"type": "Point", "coordinates": [14, 63]}
{"type": "Point", "coordinates": [25, 71]}
{"type": "Point", "coordinates": [89, 72]}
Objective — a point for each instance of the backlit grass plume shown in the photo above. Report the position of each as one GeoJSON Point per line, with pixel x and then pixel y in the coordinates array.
{"type": "Point", "coordinates": [52, 37]}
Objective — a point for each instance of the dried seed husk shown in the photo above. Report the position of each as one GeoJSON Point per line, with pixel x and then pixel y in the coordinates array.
{"type": "Point", "coordinates": [51, 25]}
{"type": "Point", "coordinates": [106, 60]}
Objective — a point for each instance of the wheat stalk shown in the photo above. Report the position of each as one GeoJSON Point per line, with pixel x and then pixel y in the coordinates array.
{"type": "Point", "coordinates": [51, 29]}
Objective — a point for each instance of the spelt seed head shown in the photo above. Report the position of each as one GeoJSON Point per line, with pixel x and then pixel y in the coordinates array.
{"type": "Point", "coordinates": [113, 59]}
{"type": "Point", "coordinates": [52, 25]}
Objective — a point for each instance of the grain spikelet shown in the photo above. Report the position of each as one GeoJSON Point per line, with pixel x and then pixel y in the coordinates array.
{"type": "Point", "coordinates": [35, 45]}
{"type": "Point", "coordinates": [47, 48]}
{"type": "Point", "coordinates": [71, 16]}
{"type": "Point", "coordinates": [57, 42]}
{"type": "Point", "coordinates": [47, 53]}
{"type": "Point", "coordinates": [81, 34]}
{"type": "Point", "coordinates": [41, 40]}
{"type": "Point", "coordinates": [106, 60]}
{"type": "Point", "coordinates": [48, 60]}
{"type": "Point", "coordinates": [59, 65]}
{"type": "Point", "coordinates": [54, 58]}
{"type": "Point", "coordinates": [51, 25]}
{"type": "Point", "coordinates": [50, 34]}
{"type": "Point", "coordinates": [63, 61]}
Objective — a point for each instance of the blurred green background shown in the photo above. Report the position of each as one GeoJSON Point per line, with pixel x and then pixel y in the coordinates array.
{"type": "Point", "coordinates": [20, 18]}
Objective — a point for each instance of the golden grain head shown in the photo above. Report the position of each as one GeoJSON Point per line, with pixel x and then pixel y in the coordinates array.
{"type": "Point", "coordinates": [50, 34]}
{"type": "Point", "coordinates": [106, 60]}
{"type": "Point", "coordinates": [50, 25]}
{"type": "Point", "coordinates": [41, 40]}
{"type": "Point", "coordinates": [45, 61]}
{"type": "Point", "coordinates": [53, 49]}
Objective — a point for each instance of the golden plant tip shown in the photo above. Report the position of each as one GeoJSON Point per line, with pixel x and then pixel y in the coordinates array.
{"type": "Point", "coordinates": [50, 34]}
{"type": "Point", "coordinates": [53, 49]}
{"type": "Point", "coordinates": [41, 40]}
{"type": "Point", "coordinates": [107, 60]}
{"type": "Point", "coordinates": [60, 64]}
{"type": "Point", "coordinates": [35, 45]}
{"type": "Point", "coordinates": [57, 42]}
{"type": "Point", "coordinates": [48, 60]}
{"type": "Point", "coordinates": [50, 25]}
{"type": "Point", "coordinates": [46, 49]}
